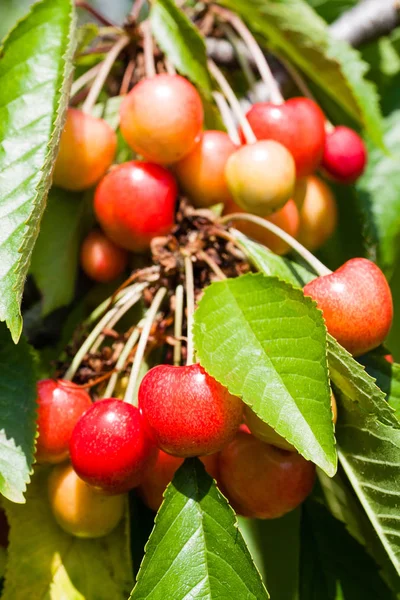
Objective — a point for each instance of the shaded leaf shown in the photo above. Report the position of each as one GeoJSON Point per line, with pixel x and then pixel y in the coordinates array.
{"type": "Point", "coordinates": [55, 257]}
{"type": "Point", "coordinates": [387, 377]}
{"type": "Point", "coordinates": [35, 70]}
{"type": "Point", "coordinates": [266, 342]}
{"type": "Point", "coordinates": [46, 562]}
{"type": "Point", "coordinates": [196, 549]}
{"type": "Point", "coordinates": [17, 415]}
{"type": "Point", "coordinates": [181, 42]}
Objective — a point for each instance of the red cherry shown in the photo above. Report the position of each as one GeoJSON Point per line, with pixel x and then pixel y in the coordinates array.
{"type": "Point", "coordinates": [162, 117]}
{"type": "Point", "coordinates": [345, 155]}
{"type": "Point", "coordinates": [187, 411]}
{"type": "Point", "coordinates": [109, 447]}
{"type": "Point", "coordinates": [298, 124]}
{"type": "Point", "coordinates": [101, 259]}
{"type": "Point", "coordinates": [389, 358]}
{"type": "Point", "coordinates": [201, 173]}
{"type": "Point", "coordinates": [136, 202]}
{"type": "Point", "coordinates": [87, 150]}
{"type": "Point", "coordinates": [156, 479]}
{"type": "Point", "coordinates": [262, 481]}
{"type": "Point", "coordinates": [357, 304]}
{"type": "Point", "coordinates": [61, 404]}
{"type": "Point", "coordinates": [287, 218]}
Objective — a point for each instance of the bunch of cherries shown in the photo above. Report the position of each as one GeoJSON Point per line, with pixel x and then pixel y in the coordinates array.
{"type": "Point", "coordinates": [182, 411]}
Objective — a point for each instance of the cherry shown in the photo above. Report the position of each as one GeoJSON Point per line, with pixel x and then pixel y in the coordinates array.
{"type": "Point", "coordinates": [187, 411]}
{"type": "Point", "coordinates": [161, 118]}
{"type": "Point", "coordinates": [287, 218]}
{"type": "Point", "coordinates": [101, 259]}
{"type": "Point", "coordinates": [109, 447]}
{"type": "Point", "coordinates": [135, 202]}
{"type": "Point", "coordinates": [345, 155]}
{"type": "Point", "coordinates": [262, 481]}
{"type": "Point", "coordinates": [298, 124]}
{"type": "Point", "coordinates": [80, 509]}
{"type": "Point", "coordinates": [60, 404]}
{"type": "Point", "coordinates": [201, 173]}
{"type": "Point", "coordinates": [261, 177]}
{"type": "Point", "coordinates": [318, 216]}
{"type": "Point", "coordinates": [300, 190]}
{"type": "Point", "coordinates": [356, 303]}
{"type": "Point", "coordinates": [156, 480]}
{"type": "Point", "coordinates": [266, 433]}
{"type": "Point", "coordinates": [87, 150]}
{"type": "Point", "coordinates": [389, 358]}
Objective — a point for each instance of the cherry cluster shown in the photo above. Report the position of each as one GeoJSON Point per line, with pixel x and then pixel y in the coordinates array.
{"type": "Point", "coordinates": [182, 411]}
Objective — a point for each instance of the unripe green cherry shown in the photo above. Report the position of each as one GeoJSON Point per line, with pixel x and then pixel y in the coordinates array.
{"type": "Point", "coordinates": [261, 177]}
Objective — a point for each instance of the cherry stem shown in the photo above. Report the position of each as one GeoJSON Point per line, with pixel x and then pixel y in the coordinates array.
{"type": "Point", "coordinates": [189, 284]}
{"type": "Point", "coordinates": [148, 49]}
{"type": "Point", "coordinates": [103, 73]}
{"type": "Point", "coordinates": [233, 101]}
{"type": "Point", "coordinates": [96, 314]}
{"type": "Point", "coordinates": [84, 79]}
{"type": "Point", "coordinates": [227, 117]}
{"type": "Point", "coordinates": [178, 325]}
{"type": "Point", "coordinates": [123, 357]}
{"type": "Point", "coordinates": [144, 336]}
{"type": "Point", "coordinates": [97, 330]}
{"type": "Point", "coordinates": [317, 265]}
{"type": "Point", "coordinates": [212, 264]}
{"type": "Point", "coordinates": [255, 51]}
{"type": "Point", "coordinates": [242, 57]}
{"type": "Point", "coordinates": [99, 16]}
{"type": "Point", "coordinates": [136, 8]}
{"type": "Point", "coordinates": [169, 67]}
{"type": "Point", "coordinates": [129, 302]}
{"type": "Point", "coordinates": [127, 77]}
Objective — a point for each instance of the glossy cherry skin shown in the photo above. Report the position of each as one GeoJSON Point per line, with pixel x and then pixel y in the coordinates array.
{"type": "Point", "coordinates": [298, 124]}
{"type": "Point", "coordinates": [187, 411]}
{"type": "Point", "coordinates": [345, 155]}
{"type": "Point", "coordinates": [161, 118]}
{"type": "Point", "coordinates": [101, 259]}
{"type": "Point", "coordinates": [201, 174]}
{"type": "Point", "coordinates": [266, 433]}
{"type": "Point", "coordinates": [156, 479]}
{"type": "Point", "coordinates": [87, 150]}
{"type": "Point", "coordinates": [60, 405]}
{"type": "Point", "coordinates": [262, 481]}
{"type": "Point", "coordinates": [110, 448]}
{"type": "Point", "coordinates": [287, 218]}
{"type": "Point", "coordinates": [356, 303]}
{"type": "Point", "coordinates": [80, 509]}
{"type": "Point", "coordinates": [261, 177]}
{"type": "Point", "coordinates": [318, 216]}
{"type": "Point", "coordinates": [136, 202]}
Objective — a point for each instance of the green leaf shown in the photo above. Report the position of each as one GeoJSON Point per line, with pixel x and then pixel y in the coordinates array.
{"type": "Point", "coordinates": [55, 257]}
{"type": "Point", "coordinates": [266, 342]}
{"type": "Point", "coordinates": [273, 265]}
{"type": "Point", "coordinates": [333, 565]}
{"type": "Point", "coordinates": [379, 194]}
{"type": "Point", "coordinates": [387, 377]}
{"type": "Point", "coordinates": [196, 549]}
{"type": "Point", "coordinates": [17, 416]}
{"type": "Point", "coordinates": [368, 436]}
{"type": "Point", "coordinates": [294, 29]}
{"type": "Point", "coordinates": [278, 563]}
{"type": "Point", "coordinates": [35, 69]}
{"type": "Point", "coordinates": [181, 42]}
{"type": "Point", "coordinates": [46, 562]}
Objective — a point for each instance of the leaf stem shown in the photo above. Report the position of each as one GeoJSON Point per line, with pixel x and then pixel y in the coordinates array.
{"type": "Point", "coordinates": [144, 336]}
{"type": "Point", "coordinates": [317, 265]}
{"type": "Point", "coordinates": [189, 284]}
{"type": "Point", "coordinates": [233, 101]}
{"type": "Point", "coordinates": [178, 325]}
{"type": "Point", "coordinates": [148, 49]}
{"type": "Point", "coordinates": [103, 73]}
{"type": "Point", "coordinates": [227, 117]}
{"type": "Point", "coordinates": [255, 51]}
